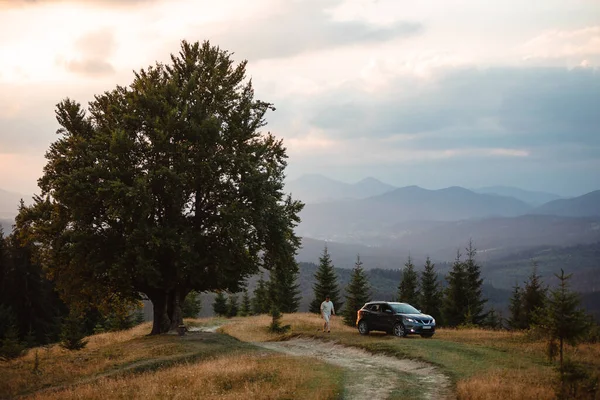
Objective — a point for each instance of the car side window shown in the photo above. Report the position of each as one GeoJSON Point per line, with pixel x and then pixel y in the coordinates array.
{"type": "Point", "coordinates": [386, 308]}
{"type": "Point", "coordinates": [375, 307]}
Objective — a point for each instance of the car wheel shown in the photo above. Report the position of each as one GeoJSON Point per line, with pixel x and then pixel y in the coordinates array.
{"type": "Point", "coordinates": [363, 328]}
{"type": "Point", "coordinates": [399, 330]}
{"type": "Point", "coordinates": [426, 335]}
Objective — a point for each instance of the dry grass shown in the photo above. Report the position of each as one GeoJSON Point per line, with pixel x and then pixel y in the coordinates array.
{"type": "Point", "coordinates": [483, 364]}
{"type": "Point", "coordinates": [507, 384]}
{"type": "Point", "coordinates": [249, 376]}
{"type": "Point", "coordinates": [104, 354]}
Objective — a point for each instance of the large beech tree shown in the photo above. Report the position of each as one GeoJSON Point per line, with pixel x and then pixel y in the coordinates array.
{"type": "Point", "coordinates": [164, 187]}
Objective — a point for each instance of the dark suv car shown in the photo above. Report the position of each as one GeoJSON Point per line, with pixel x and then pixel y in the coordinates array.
{"type": "Point", "coordinates": [401, 319]}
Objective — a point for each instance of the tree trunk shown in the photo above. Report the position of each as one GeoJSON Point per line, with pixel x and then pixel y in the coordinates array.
{"type": "Point", "coordinates": [160, 323]}
{"type": "Point", "coordinates": [175, 314]}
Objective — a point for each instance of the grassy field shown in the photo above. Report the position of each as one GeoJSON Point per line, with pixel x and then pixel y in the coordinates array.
{"type": "Point", "coordinates": [482, 364]}
{"type": "Point", "coordinates": [130, 364]}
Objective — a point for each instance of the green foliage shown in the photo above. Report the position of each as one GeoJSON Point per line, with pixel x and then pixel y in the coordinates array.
{"type": "Point", "coordinates": [562, 320]}
{"type": "Point", "coordinates": [533, 297]}
{"type": "Point", "coordinates": [164, 186]}
{"type": "Point", "coordinates": [275, 325]}
{"type": "Point", "coordinates": [358, 292]}
{"type": "Point", "coordinates": [475, 300]}
{"type": "Point", "coordinates": [576, 382]}
{"type": "Point", "coordinates": [455, 305]}
{"type": "Point", "coordinates": [430, 299]}
{"type": "Point", "coordinates": [232, 306]}
{"type": "Point", "coordinates": [283, 287]}
{"type": "Point", "coordinates": [326, 284]}
{"type": "Point", "coordinates": [220, 305]}
{"type": "Point", "coordinates": [246, 306]}
{"type": "Point", "coordinates": [72, 334]}
{"type": "Point", "coordinates": [463, 300]}
{"type": "Point", "coordinates": [408, 291]}
{"type": "Point", "coordinates": [260, 302]}
{"type": "Point", "coordinates": [10, 346]}
{"type": "Point", "coordinates": [191, 305]}
{"type": "Point", "coordinates": [517, 318]}
{"type": "Point", "coordinates": [493, 320]}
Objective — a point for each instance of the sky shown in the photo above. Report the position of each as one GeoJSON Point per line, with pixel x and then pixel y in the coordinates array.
{"type": "Point", "coordinates": [434, 93]}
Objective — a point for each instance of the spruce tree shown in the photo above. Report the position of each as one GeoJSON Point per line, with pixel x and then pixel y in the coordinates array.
{"type": "Point", "coordinates": [326, 284]}
{"type": "Point", "coordinates": [191, 305]}
{"type": "Point", "coordinates": [284, 291]}
{"type": "Point", "coordinates": [408, 291]}
{"type": "Point", "coordinates": [232, 306]}
{"type": "Point", "coordinates": [533, 297]}
{"type": "Point", "coordinates": [72, 334]}
{"type": "Point", "coordinates": [358, 292]}
{"type": "Point", "coordinates": [562, 319]}
{"type": "Point", "coordinates": [455, 306]}
{"type": "Point", "coordinates": [246, 306]}
{"type": "Point", "coordinates": [220, 304]}
{"type": "Point", "coordinates": [260, 301]}
{"type": "Point", "coordinates": [475, 300]}
{"type": "Point", "coordinates": [516, 320]}
{"type": "Point", "coordinates": [431, 295]}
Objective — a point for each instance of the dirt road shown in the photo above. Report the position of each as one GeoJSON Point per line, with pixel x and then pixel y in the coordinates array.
{"type": "Point", "coordinates": [371, 376]}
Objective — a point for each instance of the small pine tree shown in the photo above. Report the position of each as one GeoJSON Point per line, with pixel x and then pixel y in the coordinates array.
{"type": "Point", "coordinates": [562, 319]}
{"type": "Point", "coordinates": [358, 292]}
{"type": "Point", "coordinates": [283, 288]}
{"type": "Point", "coordinates": [275, 326]}
{"type": "Point", "coordinates": [493, 320]}
{"type": "Point", "coordinates": [246, 306]}
{"type": "Point", "coordinates": [220, 305]}
{"type": "Point", "coordinates": [326, 284]}
{"type": "Point", "coordinates": [455, 303]}
{"type": "Point", "coordinates": [408, 291]}
{"type": "Point", "coordinates": [260, 301]}
{"type": "Point", "coordinates": [430, 300]}
{"type": "Point", "coordinates": [516, 320]}
{"type": "Point", "coordinates": [533, 297]}
{"type": "Point", "coordinates": [232, 306]}
{"type": "Point", "coordinates": [10, 346]}
{"type": "Point", "coordinates": [475, 300]}
{"type": "Point", "coordinates": [191, 305]}
{"type": "Point", "coordinates": [72, 332]}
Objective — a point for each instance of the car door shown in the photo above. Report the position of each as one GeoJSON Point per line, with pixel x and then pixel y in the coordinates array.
{"type": "Point", "coordinates": [374, 317]}
{"type": "Point", "coordinates": [387, 317]}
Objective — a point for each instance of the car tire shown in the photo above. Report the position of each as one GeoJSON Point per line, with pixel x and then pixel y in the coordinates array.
{"type": "Point", "coordinates": [426, 335]}
{"type": "Point", "coordinates": [399, 330]}
{"type": "Point", "coordinates": [363, 328]}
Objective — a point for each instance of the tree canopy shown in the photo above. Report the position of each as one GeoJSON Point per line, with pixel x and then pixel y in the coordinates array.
{"type": "Point", "coordinates": [162, 187]}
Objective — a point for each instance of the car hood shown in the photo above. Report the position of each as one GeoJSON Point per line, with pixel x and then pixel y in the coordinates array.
{"type": "Point", "coordinates": [419, 316]}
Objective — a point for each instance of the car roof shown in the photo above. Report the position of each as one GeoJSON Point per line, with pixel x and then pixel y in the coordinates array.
{"type": "Point", "coordinates": [386, 302]}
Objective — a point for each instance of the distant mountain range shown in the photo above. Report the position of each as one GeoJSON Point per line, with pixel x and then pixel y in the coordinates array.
{"type": "Point", "coordinates": [9, 203]}
{"type": "Point", "coordinates": [529, 197]}
{"type": "Point", "coordinates": [316, 188]}
{"type": "Point", "coordinates": [582, 206]}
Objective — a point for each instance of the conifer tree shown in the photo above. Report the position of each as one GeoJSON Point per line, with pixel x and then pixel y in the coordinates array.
{"type": "Point", "coordinates": [220, 304]}
{"type": "Point", "coordinates": [533, 297]}
{"type": "Point", "coordinates": [455, 306]}
{"type": "Point", "coordinates": [475, 300]}
{"type": "Point", "coordinates": [191, 305]}
{"type": "Point", "coordinates": [358, 292]}
{"type": "Point", "coordinates": [326, 284]}
{"type": "Point", "coordinates": [246, 306]}
{"type": "Point", "coordinates": [260, 301]}
{"type": "Point", "coordinates": [232, 305]}
{"type": "Point", "coordinates": [431, 295]}
{"type": "Point", "coordinates": [72, 334]}
{"type": "Point", "coordinates": [562, 319]}
{"type": "Point", "coordinates": [516, 320]}
{"type": "Point", "coordinates": [284, 291]}
{"type": "Point", "coordinates": [408, 287]}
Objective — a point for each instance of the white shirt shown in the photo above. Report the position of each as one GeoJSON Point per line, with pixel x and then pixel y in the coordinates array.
{"type": "Point", "coordinates": [327, 307]}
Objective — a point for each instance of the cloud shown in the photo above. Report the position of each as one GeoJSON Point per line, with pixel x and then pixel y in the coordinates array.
{"type": "Point", "coordinates": [94, 49]}
{"type": "Point", "coordinates": [579, 43]}
{"type": "Point", "coordinates": [301, 27]}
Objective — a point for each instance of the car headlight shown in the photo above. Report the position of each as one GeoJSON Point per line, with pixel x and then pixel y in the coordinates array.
{"type": "Point", "coordinates": [409, 319]}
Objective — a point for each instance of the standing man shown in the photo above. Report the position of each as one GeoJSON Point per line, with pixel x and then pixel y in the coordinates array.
{"type": "Point", "coordinates": [327, 311]}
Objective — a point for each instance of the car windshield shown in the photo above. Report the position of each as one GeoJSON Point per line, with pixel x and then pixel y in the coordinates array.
{"type": "Point", "coordinates": [404, 309]}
